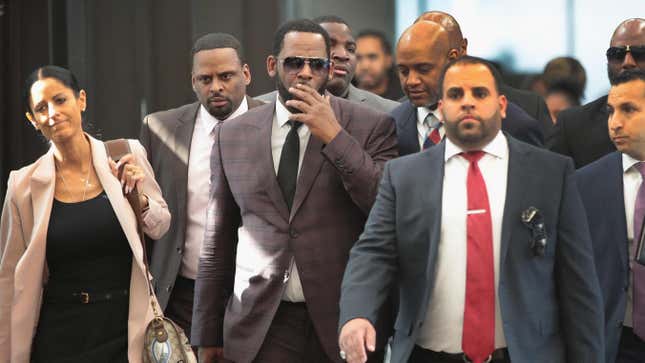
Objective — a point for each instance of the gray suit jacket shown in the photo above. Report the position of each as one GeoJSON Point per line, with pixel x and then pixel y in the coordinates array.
{"type": "Point", "coordinates": [354, 94]}
{"type": "Point", "coordinates": [167, 135]}
{"type": "Point", "coordinates": [551, 305]}
{"type": "Point", "coordinates": [251, 237]}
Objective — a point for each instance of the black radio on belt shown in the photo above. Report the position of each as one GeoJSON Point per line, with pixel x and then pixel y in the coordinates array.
{"type": "Point", "coordinates": [534, 221]}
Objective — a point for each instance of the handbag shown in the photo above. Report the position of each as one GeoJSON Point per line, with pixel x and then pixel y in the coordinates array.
{"type": "Point", "coordinates": [163, 341]}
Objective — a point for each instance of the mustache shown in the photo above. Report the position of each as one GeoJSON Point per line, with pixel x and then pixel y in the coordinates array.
{"type": "Point", "coordinates": [470, 116]}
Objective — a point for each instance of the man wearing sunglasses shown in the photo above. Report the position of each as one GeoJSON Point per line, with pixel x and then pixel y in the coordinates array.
{"type": "Point", "coordinates": [292, 184]}
{"type": "Point", "coordinates": [581, 132]}
{"type": "Point", "coordinates": [343, 59]}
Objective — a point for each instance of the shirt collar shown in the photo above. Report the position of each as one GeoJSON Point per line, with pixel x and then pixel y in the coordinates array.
{"type": "Point", "coordinates": [498, 148]}
{"type": "Point", "coordinates": [628, 162]}
{"type": "Point", "coordinates": [422, 112]}
{"type": "Point", "coordinates": [208, 121]}
{"type": "Point", "coordinates": [281, 113]}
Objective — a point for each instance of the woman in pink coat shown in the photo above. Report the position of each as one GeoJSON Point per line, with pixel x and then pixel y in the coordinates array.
{"type": "Point", "coordinates": [72, 280]}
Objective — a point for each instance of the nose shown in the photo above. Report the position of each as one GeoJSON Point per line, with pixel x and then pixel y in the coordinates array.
{"type": "Point", "coordinates": [51, 110]}
{"type": "Point", "coordinates": [339, 53]}
{"type": "Point", "coordinates": [614, 122]}
{"type": "Point", "coordinates": [412, 80]}
{"type": "Point", "coordinates": [467, 102]}
{"type": "Point", "coordinates": [216, 85]}
{"type": "Point", "coordinates": [306, 72]}
{"type": "Point", "coordinates": [629, 62]}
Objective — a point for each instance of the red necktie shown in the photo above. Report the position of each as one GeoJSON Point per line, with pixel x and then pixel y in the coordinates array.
{"type": "Point", "coordinates": [478, 339]}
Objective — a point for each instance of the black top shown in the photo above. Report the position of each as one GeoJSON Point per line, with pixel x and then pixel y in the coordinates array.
{"type": "Point", "coordinates": [86, 247]}
{"type": "Point", "coordinates": [87, 251]}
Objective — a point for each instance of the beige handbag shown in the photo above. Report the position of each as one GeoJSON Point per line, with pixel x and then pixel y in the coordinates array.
{"type": "Point", "coordinates": [164, 341]}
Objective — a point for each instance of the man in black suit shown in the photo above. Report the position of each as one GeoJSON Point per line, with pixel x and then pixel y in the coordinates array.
{"type": "Point", "coordinates": [530, 102]}
{"type": "Point", "coordinates": [581, 132]}
{"type": "Point", "coordinates": [422, 51]}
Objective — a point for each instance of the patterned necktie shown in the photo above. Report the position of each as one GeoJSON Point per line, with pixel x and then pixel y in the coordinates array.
{"type": "Point", "coordinates": [638, 271]}
{"type": "Point", "coordinates": [288, 168]}
{"type": "Point", "coordinates": [478, 339]}
{"type": "Point", "coordinates": [432, 137]}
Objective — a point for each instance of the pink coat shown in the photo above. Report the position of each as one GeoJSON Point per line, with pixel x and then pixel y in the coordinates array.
{"type": "Point", "coordinates": [23, 235]}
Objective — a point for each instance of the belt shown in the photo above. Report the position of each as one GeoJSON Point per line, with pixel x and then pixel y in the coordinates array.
{"type": "Point", "coordinates": [85, 297]}
{"type": "Point", "coordinates": [499, 355]}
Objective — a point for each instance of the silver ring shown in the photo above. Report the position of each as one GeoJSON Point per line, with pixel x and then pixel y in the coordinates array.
{"type": "Point", "coordinates": [343, 356]}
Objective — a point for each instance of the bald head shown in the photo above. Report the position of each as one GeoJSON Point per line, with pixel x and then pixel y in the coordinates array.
{"type": "Point", "coordinates": [421, 52]}
{"type": "Point", "coordinates": [629, 34]}
{"type": "Point", "coordinates": [455, 37]}
{"type": "Point", "coordinates": [630, 31]}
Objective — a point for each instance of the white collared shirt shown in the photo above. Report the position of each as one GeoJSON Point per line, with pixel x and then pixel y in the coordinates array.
{"type": "Point", "coordinates": [293, 292]}
{"type": "Point", "coordinates": [632, 180]}
{"type": "Point", "coordinates": [422, 128]}
{"type": "Point", "coordinates": [199, 180]}
{"type": "Point", "coordinates": [443, 325]}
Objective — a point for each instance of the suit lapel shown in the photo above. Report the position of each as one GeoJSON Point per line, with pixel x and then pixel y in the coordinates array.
{"type": "Point", "coordinates": [432, 196]}
{"type": "Point", "coordinates": [42, 184]}
{"type": "Point", "coordinates": [119, 203]}
{"type": "Point", "coordinates": [408, 131]}
{"type": "Point", "coordinates": [312, 162]}
{"type": "Point", "coordinates": [616, 204]}
{"type": "Point", "coordinates": [519, 170]}
{"type": "Point", "coordinates": [267, 169]}
{"type": "Point", "coordinates": [182, 139]}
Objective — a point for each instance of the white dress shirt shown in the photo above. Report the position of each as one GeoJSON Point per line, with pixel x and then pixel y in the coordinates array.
{"type": "Point", "coordinates": [293, 291]}
{"type": "Point", "coordinates": [422, 128]}
{"type": "Point", "coordinates": [199, 181]}
{"type": "Point", "coordinates": [443, 325]}
{"type": "Point", "coordinates": [632, 180]}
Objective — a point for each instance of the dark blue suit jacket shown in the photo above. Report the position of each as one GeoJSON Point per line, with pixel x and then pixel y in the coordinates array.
{"type": "Point", "coordinates": [601, 188]}
{"type": "Point", "coordinates": [517, 123]}
{"type": "Point", "coordinates": [551, 305]}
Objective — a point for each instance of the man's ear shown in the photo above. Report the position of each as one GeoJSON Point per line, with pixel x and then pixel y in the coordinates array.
{"type": "Point", "coordinates": [272, 66]}
{"type": "Point", "coordinates": [503, 103]}
{"type": "Point", "coordinates": [246, 71]}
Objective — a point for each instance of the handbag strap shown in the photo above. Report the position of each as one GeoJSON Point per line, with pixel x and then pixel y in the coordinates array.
{"type": "Point", "coordinates": [116, 149]}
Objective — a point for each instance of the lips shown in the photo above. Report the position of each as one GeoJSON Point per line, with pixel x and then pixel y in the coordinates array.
{"type": "Point", "coordinates": [218, 101]}
{"type": "Point", "coordinates": [340, 70]}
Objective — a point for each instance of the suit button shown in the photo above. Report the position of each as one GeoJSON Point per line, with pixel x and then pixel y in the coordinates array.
{"type": "Point", "coordinates": [620, 324]}
{"type": "Point", "coordinates": [293, 233]}
{"type": "Point", "coordinates": [286, 276]}
{"type": "Point", "coordinates": [626, 287]}
{"type": "Point", "coordinates": [179, 251]}
{"type": "Point", "coordinates": [168, 288]}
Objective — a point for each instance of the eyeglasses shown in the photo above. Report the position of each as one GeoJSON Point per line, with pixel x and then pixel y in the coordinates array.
{"type": "Point", "coordinates": [295, 64]}
{"type": "Point", "coordinates": [617, 54]}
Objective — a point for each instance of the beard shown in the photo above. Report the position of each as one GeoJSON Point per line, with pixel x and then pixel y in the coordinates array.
{"type": "Point", "coordinates": [612, 74]}
{"type": "Point", "coordinates": [285, 95]}
{"type": "Point", "coordinates": [221, 112]}
{"type": "Point", "coordinates": [487, 129]}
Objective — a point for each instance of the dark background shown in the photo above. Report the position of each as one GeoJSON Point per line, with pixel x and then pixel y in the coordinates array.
{"type": "Point", "coordinates": [133, 56]}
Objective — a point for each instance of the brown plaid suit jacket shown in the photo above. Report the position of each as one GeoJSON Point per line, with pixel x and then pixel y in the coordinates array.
{"type": "Point", "coordinates": [251, 237]}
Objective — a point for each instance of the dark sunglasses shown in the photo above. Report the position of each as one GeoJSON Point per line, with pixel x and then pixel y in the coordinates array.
{"type": "Point", "coordinates": [617, 54]}
{"type": "Point", "coordinates": [295, 64]}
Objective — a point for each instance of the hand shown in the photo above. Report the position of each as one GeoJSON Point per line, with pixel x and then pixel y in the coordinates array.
{"type": "Point", "coordinates": [209, 354]}
{"type": "Point", "coordinates": [132, 174]}
{"type": "Point", "coordinates": [357, 338]}
{"type": "Point", "coordinates": [316, 112]}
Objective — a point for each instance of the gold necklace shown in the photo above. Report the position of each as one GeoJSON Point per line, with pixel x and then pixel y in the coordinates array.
{"type": "Point", "coordinates": [87, 180]}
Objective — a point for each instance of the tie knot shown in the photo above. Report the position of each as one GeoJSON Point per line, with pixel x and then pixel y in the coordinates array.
{"type": "Point", "coordinates": [294, 124]}
{"type": "Point", "coordinates": [432, 121]}
{"type": "Point", "coordinates": [473, 156]}
{"type": "Point", "coordinates": [640, 166]}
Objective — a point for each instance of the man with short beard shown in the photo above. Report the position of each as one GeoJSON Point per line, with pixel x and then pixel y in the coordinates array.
{"type": "Point", "coordinates": [292, 184]}
{"type": "Point", "coordinates": [485, 239]}
{"type": "Point", "coordinates": [374, 67]}
{"type": "Point", "coordinates": [581, 132]}
{"type": "Point", "coordinates": [178, 142]}
{"type": "Point", "coordinates": [343, 58]}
